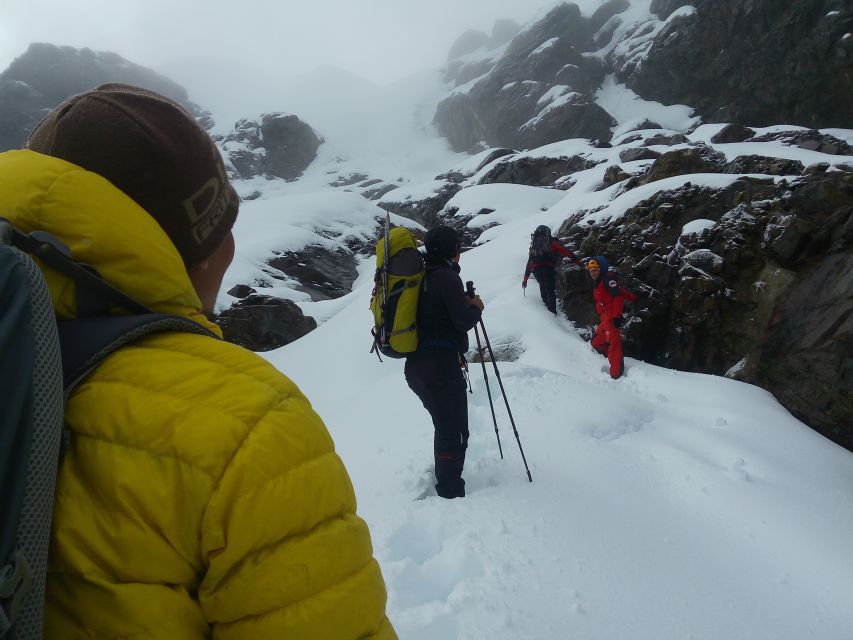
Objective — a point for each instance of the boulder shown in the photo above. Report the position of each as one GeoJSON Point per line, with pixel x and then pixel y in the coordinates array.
{"type": "Point", "coordinates": [322, 273]}
{"type": "Point", "coordinates": [276, 145]}
{"type": "Point", "coordinates": [536, 171]}
{"type": "Point", "coordinates": [733, 133]}
{"type": "Point", "coordinates": [638, 153]}
{"type": "Point", "coordinates": [263, 323]}
{"type": "Point", "coordinates": [612, 175]}
{"type": "Point", "coordinates": [811, 140]}
{"type": "Point", "coordinates": [698, 159]}
{"type": "Point", "coordinates": [764, 165]}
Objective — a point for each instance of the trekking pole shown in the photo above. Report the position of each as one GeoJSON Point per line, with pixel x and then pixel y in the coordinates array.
{"type": "Point", "coordinates": [470, 293]}
{"type": "Point", "coordinates": [470, 285]}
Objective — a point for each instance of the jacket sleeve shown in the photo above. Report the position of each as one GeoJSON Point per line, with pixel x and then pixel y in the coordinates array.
{"type": "Point", "coordinates": [287, 556]}
{"type": "Point", "coordinates": [615, 304]}
{"type": "Point", "coordinates": [463, 315]}
{"type": "Point", "coordinates": [556, 246]}
{"type": "Point", "coordinates": [528, 268]}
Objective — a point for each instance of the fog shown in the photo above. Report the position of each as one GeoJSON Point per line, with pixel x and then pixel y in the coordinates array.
{"type": "Point", "coordinates": [242, 58]}
{"type": "Point", "coordinates": [381, 40]}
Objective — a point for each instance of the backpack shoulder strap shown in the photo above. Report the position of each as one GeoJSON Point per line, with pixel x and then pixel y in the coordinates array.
{"type": "Point", "coordinates": [30, 433]}
{"type": "Point", "coordinates": [86, 342]}
{"type": "Point", "coordinates": [41, 358]}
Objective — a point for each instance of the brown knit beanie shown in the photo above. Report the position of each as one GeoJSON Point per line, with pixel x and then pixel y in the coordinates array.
{"type": "Point", "coordinates": [155, 152]}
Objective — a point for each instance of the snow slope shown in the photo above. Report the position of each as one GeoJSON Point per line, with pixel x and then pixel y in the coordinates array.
{"type": "Point", "coordinates": [664, 505]}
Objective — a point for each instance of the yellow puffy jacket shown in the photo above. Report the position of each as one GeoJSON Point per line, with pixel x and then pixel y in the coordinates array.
{"type": "Point", "coordinates": [201, 496]}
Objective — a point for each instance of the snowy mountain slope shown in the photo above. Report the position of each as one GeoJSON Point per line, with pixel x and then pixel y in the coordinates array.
{"type": "Point", "coordinates": [664, 505]}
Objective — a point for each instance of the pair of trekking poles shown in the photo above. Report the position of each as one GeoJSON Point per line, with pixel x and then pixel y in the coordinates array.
{"type": "Point", "coordinates": [469, 290]}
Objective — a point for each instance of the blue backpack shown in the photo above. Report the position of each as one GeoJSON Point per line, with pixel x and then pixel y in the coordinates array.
{"type": "Point", "coordinates": [41, 361]}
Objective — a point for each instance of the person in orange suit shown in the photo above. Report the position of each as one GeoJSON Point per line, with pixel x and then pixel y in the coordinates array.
{"type": "Point", "coordinates": [609, 303]}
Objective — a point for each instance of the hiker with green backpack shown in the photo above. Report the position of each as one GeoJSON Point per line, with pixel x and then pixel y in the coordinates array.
{"type": "Point", "coordinates": [435, 371]}
{"type": "Point", "coordinates": [198, 495]}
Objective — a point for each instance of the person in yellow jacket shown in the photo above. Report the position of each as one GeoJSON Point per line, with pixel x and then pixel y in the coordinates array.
{"type": "Point", "coordinates": [201, 496]}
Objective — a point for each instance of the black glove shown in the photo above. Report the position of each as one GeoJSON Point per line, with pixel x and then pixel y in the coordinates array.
{"type": "Point", "coordinates": [619, 322]}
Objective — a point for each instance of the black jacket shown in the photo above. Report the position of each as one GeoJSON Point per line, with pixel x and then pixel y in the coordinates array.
{"type": "Point", "coordinates": [445, 315]}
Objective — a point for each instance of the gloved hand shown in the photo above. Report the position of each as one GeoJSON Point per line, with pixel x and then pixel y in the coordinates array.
{"type": "Point", "coordinates": [524, 283]}
{"type": "Point", "coordinates": [619, 321]}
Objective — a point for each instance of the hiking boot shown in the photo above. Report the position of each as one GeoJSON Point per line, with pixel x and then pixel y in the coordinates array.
{"type": "Point", "coordinates": [455, 491]}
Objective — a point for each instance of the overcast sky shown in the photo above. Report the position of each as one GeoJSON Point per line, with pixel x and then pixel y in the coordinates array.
{"type": "Point", "coordinates": [382, 40]}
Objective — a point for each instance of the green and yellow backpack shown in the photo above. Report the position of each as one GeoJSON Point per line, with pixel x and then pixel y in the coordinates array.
{"type": "Point", "coordinates": [394, 302]}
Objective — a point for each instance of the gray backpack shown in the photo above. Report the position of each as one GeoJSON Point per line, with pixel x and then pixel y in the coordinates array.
{"type": "Point", "coordinates": [41, 360]}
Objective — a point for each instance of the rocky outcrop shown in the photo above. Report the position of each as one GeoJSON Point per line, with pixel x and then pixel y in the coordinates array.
{"type": "Point", "coordinates": [322, 273]}
{"type": "Point", "coordinates": [696, 159]}
{"type": "Point", "coordinates": [539, 90]}
{"type": "Point", "coordinates": [811, 140]}
{"type": "Point", "coordinates": [759, 289]}
{"type": "Point", "coordinates": [763, 62]}
{"type": "Point", "coordinates": [424, 210]}
{"type": "Point", "coordinates": [733, 133]}
{"type": "Point", "coordinates": [45, 75]}
{"type": "Point", "coordinates": [463, 63]}
{"type": "Point", "coordinates": [540, 171]}
{"type": "Point", "coordinates": [276, 145]}
{"type": "Point", "coordinates": [264, 323]}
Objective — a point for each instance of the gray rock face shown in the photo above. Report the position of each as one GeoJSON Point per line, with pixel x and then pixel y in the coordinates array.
{"type": "Point", "coordinates": [811, 140]}
{"type": "Point", "coordinates": [45, 75]}
{"type": "Point", "coordinates": [263, 323]}
{"type": "Point", "coordinates": [460, 69]}
{"type": "Point", "coordinates": [424, 211]}
{"type": "Point", "coordinates": [697, 159]}
{"type": "Point", "coordinates": [323, 274]}
{"type": "Point", "coordinates": [539, 171]}
{"type": "Point", "coordinates": [763, 295]}
{"type": "Point", "coordinates": [277, 145]}
{"type": "Point", "coordinates": [733, 133]}
{"type": "Point", "coordinates": [540, 90]}
{"type": "Point", "coordinates": [763, 62]}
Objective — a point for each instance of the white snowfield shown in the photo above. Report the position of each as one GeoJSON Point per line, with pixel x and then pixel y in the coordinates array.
{"type": "Point", "coordinates": [664, 505]}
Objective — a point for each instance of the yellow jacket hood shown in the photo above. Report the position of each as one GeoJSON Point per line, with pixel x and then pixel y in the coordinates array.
{"type": "Point", "coordinates": [102, 227]}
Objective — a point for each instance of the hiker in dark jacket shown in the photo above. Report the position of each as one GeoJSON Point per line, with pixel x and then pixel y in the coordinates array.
{"type": "Point", "coordinates": [434, 372]}
{"type": "Point", "coordinates": [609, 303]}
{"type": "Point", "coordinates": [542, 262]}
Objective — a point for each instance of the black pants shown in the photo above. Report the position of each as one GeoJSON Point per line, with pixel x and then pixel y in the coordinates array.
{"type": "Point", "coordinates": [435, 376]}
{"type": "Point", "coordinates": [547, 279]}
